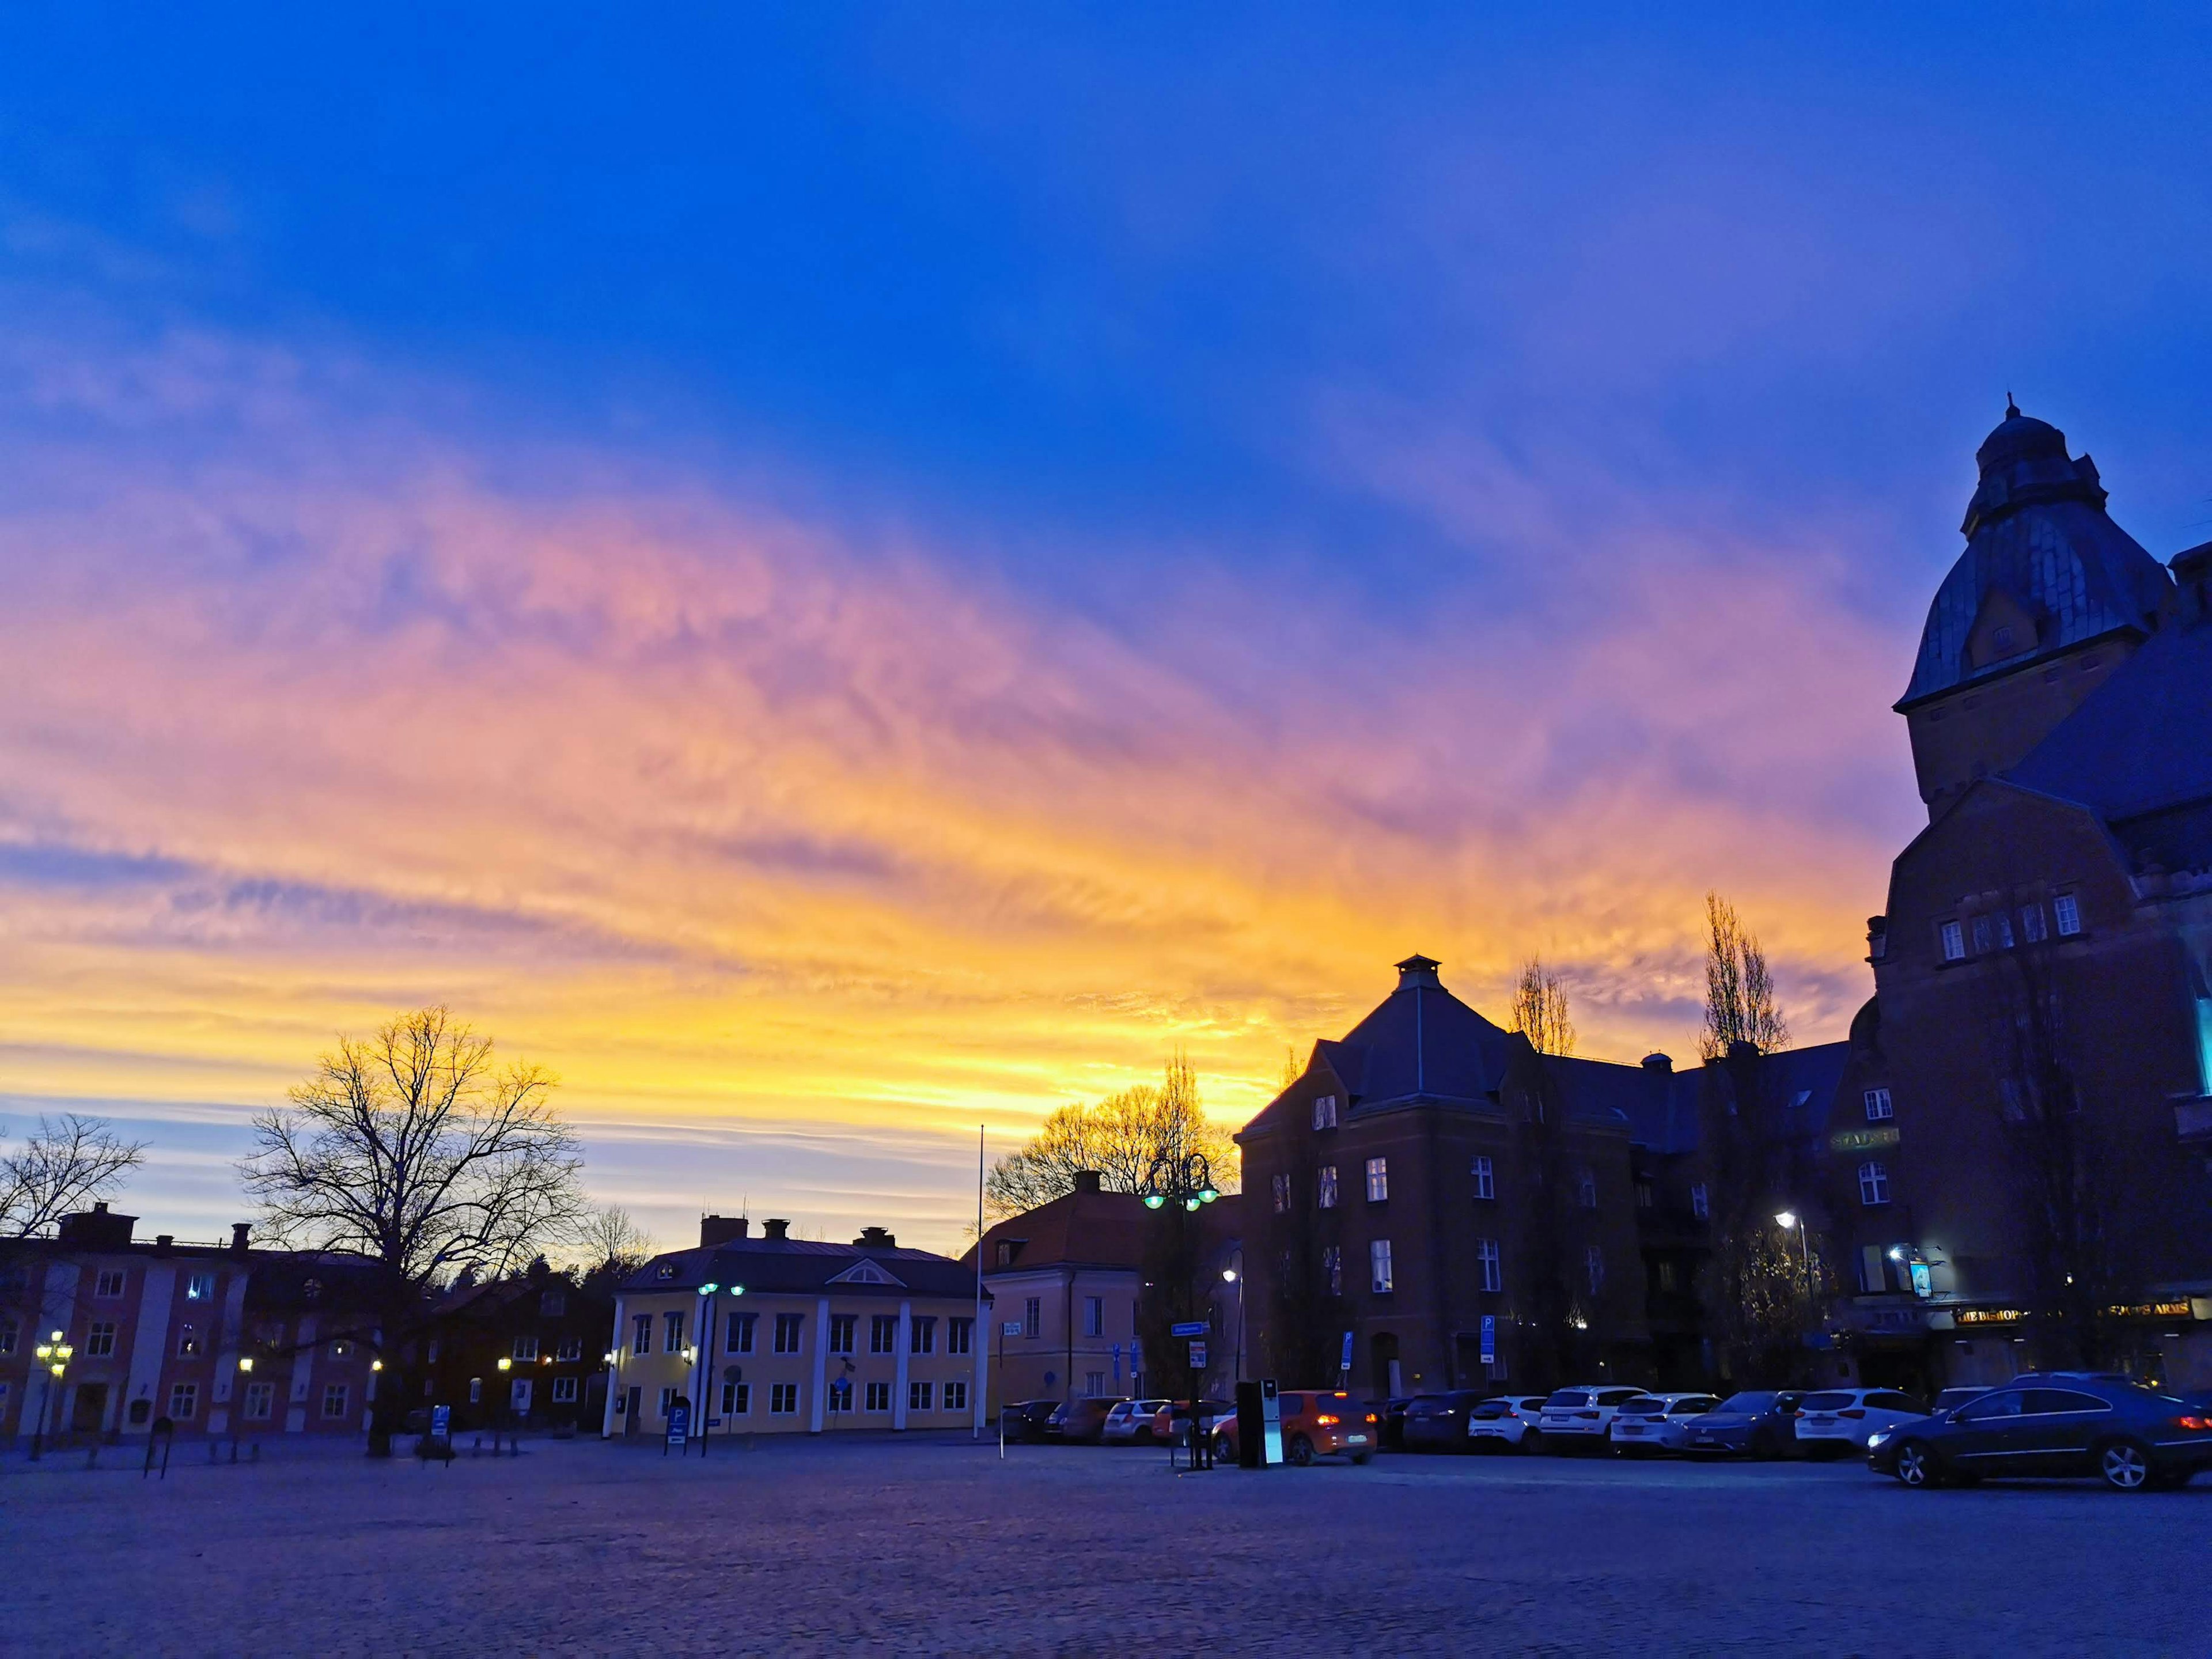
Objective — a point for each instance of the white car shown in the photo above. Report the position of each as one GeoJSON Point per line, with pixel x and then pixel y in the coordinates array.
{"type": "Point", "coordinates": [1130, 1422]}
{"type": "Point", "coordinates": [1502, 1423]}
{"type": "Point", "coordinates": [1580, 1416]}
{"type": "Point", "coordinates": [1657, 1422]}
{"type": "Point", "coordinates": [1838, 1421]}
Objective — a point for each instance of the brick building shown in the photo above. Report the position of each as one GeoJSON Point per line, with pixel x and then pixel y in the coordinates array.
{"type": "Point", "coordinates": [781, 1335]}
{"type": "Point", "coordinates": [221, 1339]}
{"type": "Point", "coordinates": [553, 1330]}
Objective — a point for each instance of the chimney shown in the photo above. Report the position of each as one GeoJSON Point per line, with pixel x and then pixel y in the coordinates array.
{"type": "Point", "coordinates": [776, 1230]}
{"type": "Point", "coordinates": [1659, 1062]}
{"type": "Point", "coordinates": [721, 1229]}
{"type": "Point", "coordinates": [96, 1228]}
{"type": "Point", "coordinates": [241, 1233]}
{"type": "Point", "coordinates": [162, 1241]}
{"type": "Point", "coordinates": [1086, 1181]}
{"type": "Point", "coordinates": [1419, 970]}
{"type": "Point", "coordinates": [875, 1239]}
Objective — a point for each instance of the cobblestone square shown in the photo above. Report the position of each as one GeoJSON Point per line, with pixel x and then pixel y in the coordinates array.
{"type": "Point", "coordinates": [936, 1545]}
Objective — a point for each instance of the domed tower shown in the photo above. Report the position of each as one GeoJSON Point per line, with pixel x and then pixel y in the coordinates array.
{"type": "Point", "coordinates": [2048, 599]}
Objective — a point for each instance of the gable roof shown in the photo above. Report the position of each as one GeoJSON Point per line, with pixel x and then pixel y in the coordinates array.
{"type": "Point", "coordinates": [802, 1267]}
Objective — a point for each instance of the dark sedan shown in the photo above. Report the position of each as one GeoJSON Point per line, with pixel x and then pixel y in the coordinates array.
{"type": "Point", "coordinates": [1391, 1422]}
{"type": "Point", "coordinates": [1758, 1423]}
{"type": "Point", "coordinates": [1438, 1422]}
{"type": "Point", "coordinates": [2132, 1438]}
{"type": "Point", "coordinates": [1025, 1419]}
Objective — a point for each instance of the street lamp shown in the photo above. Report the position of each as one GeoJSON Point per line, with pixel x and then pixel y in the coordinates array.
{"type": "Point", "coordinates": [54, 1355]}
{"type": "Point", "coordinates": [503, 1408]}
{"type": "Point", "coordinates": [1187, 1180]}
{"type": "Point", "coordinates": [237, 1401]}
{"type": "Point", "coordinates": [1786, 1220]}
{"type": "Point", "coordinates": [1230, 1275]}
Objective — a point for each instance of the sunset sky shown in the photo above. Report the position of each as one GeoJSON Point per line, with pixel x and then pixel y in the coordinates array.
{"type": "Point", "coordinates": [841, 579]}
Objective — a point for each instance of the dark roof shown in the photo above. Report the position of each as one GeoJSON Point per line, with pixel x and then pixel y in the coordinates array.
{"type": "Point", "coordinates": [2036, 528]}
{"type": "Point", "coordinates": [802, 1267]}
{"type": "Point", "coordinates": [1093, 1230]}
{"type": "Point", "coordinates": [1421, 1042]}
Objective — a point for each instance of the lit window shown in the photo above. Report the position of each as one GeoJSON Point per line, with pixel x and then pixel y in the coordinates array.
{"type": "Point", "coordinates": [960, 1336]}
{"type": "Point", "coordinates": [564, 1390]}
{"type": "Point", "coordinates": [878, 1397]}
{"type": "Point", "coordinates": [334, 1400]}
{"type": "Point", "coordinates": [1094, 1316]}
{"type": "Point", "coordinates": [740, 1337]}
{"type": "Point", "coordinates": [1486, 1178]}
{"type": "Point", "coordinates": [183, 1400]}
{"type": "Point", "coordinates": [1874, 1184]}
{"type": "Point", "coordinates": [1485, 1254]}
{"type": "Point", "coordinates": [643, 1342]}
{"type": "Point", "coordinates": [1332, 1267]}
{"type": "Point", "coordinates": [1281, 1186]}
{"type": "Point", "coordinates": [526, 1348]}
{"type": "Point", "coordinates": [1378, 1180]}
{"type": "Point", "coordinates": [956, 1396]}
{"type": "Point", "coordinates": [2031, 923]}
{"type": "Point", "coordinates": [840, 1333]}
{"type": "Point", "coordinates": [110, 1282]}
{"type": "Point", "coordinates": [99, 1340]}
{"type": "Point", "coordinates": [1877, 1105]}
{"type": "Point", "coordinates": [1586, 1189]}
{"type": "Point", "coordinates": [882, 1334]}
{"type": "Point", "coordinates": [672, 1334]}
{"type": "Point", "coordinates": [841, 1395]}
{"type": "Point", "coordinates": [1328, 1185]}
{"type": "Point", "coordinates": [1700, 1205]}
{"type": "Point", "coordinates": [199, 1287]}
{"type": "Point", "coordinates": [1324, 1111]}
{"type": "Point", "coordinates": [923, 1328]}
{"type": "Point", "coordinates": [1378, 1266]}
{"type": "Point", "coordinates": [188, 1343]}
{"type": "Point", "coordinates": [783, 1399]}
{"type": "Point", "coordinates": [1954, 942]}
{"type": "Point", "coordinates": [2068, 912]}
{"type": "Point", "coordinates": [787, 1328]}
{"type": "Point", "coordinates": [1594, 1264]}
{"type": "Point", "coordinates": [919, 1396]}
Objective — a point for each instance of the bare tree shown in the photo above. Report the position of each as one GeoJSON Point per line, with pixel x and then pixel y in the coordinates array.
{"type": "Point", "coordinates": [608, 1242]}
{"type": "Point", "coordinates": [1740, 1004]}
{"type": "Point", "coordinates": [412, 1148]}
{"type": "Point", "coordinates": [1121, 1137]}
{"type": "Point", "coordinates": [62, 1166]}
{"type": "Point", "coordinates": [1540, 1010]}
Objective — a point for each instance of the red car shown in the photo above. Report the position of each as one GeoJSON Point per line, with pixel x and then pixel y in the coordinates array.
{"type": "Point", "coordinates": [1314, 1426]}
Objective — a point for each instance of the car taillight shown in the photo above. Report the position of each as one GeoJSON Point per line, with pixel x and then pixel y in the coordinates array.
{"type": "Point", "coordinates": [1325, 1421]}
{"type": "Point", "coordinates": [2198, 1424]}
{"type": "Point", "coordinates": [1589, 1415]}
{"type": "Point", "coordinates": [1370, 1417]}
{"type": "Point", "coordinates": [1852, 1410]}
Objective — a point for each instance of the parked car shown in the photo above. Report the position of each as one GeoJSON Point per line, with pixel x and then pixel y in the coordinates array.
{"type": "Point", "coordinates": [1951, 1398]}
{"type": "Point", "coordinates": [1438, 1422]}
{"type": "Point", "coordinates": [1578, 1417]}
{"type": "Point", "coordinates": [1758, 1423]}
{"type": "Point", "coordinates": [1130, 1422]}
{"type": "Point", "coordinates": [1171, 1423]}
{"type": "Point", "coordinates": [1505, 1422]}
{"type": "Point", "coordinates": [1836, 1421]}
{"type": "Point", "coordinates": [2131, 1437]}
{"type": "Point", "coordinates": [1320, 1425]}
{"type": "Point", "coordinates": [1655, 1422]}
{"type": "Point", "coordinates": [1082, 1420]}
{"type": "Point", "coordinates": [1391, 1422]}
{"type": "Point", "coordinates": [1025, 1419]}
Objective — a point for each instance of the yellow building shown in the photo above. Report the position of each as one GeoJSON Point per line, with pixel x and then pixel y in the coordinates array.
{"type": "Point", "coordinates": [778, 1336]}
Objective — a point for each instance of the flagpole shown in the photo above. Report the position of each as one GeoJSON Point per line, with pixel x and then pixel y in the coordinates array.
{"type": "Point", "coordinates": [979, 1339]}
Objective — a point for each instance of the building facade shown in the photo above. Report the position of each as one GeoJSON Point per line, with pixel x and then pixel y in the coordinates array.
{"type": "Point", "coordinates": [778, 1336]}
{"type": "Point", "coordinates": [554, 1332]}
{"type": "Point", "coordinates": [216, 1339]}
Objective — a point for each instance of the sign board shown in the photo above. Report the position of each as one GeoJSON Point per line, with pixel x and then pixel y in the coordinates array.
{"type": "Point", "coordinates": [1344, 1364]}
{"type": "Point", "coordinates": [1197, 1355]}
{"type": "Point", "coordinates": [441, 1422]}
{"type": "Point", "coordinates": [1863, 1140]}
{"type": "Point", "coordinates": [1188, 1327]}
{"type": "Point", "coordinates": [1490, 1339]}
{"type": "Point", "coordinates": [1271, 1418]}
{"type": "Point", "coordinates": [1923, 1283]}
{"type": "Point", "coordinates": [679, 1423]}
{"type": "Point", "coordinates": [1011, 1327]}
{"type": "Point", "coordinates": [1117, 1363]}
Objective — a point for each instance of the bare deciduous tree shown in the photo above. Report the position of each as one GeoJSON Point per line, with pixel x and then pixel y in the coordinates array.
{"type": "Point", "coordinates": [414, 1149]}
{"type": "Point", "coordinates": [608, 1242]}
{"type": "Point", "coordinates": [1740, 1004]}
{"type": "Point", "coordinates": [63, 1165]}
{"type": "Point", "coordinates": [1121, 1137]}
{"type": "Point", "coordinates": [1540, 1010]}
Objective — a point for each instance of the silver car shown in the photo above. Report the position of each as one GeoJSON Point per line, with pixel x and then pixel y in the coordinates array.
{"type": "Point", "coordinates": [1130, 1422]}
{"type": "Point", "coordinates": [1655, 1422]}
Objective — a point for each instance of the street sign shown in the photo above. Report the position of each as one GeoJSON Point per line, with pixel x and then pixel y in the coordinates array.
{"type": "Point", "coordinates": [1117, 1363]}
{"type": "Point", "coordinates": [1344, 1364]}
{"type": "Point", "coordinates": [1197, 1356]}
{"type": "Point", "coordinates": [679, 1423]}
{"type": "Point", "coordinates": [1188, 1327]}
{"type": "Point", "coordinates": [1011, 1327]}
{"type": "Point", "coordinates": [1490, 1339]}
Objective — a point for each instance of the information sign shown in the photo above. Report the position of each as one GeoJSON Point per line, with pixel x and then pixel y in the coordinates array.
{"type": "Point", "coordinates": [1188, 1327]}
{"type": "Point", "coordinates": [1490, 1339]}
{"type": "Point", "coordinates": [679, 1423]}
{"type": "Point", "coordinates": [1197, 1356]}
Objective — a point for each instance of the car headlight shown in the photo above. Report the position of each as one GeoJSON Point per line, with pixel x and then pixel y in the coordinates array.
{"type": "Point", "coordinates": [1879, 1437]}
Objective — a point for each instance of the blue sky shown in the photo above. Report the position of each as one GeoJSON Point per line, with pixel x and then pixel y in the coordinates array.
{"type": "Point", "coordinates": [1287, 395]}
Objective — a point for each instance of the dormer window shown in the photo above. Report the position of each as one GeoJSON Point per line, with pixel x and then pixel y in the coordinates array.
{"type": "Point", "coordinates": [1324, 1111]}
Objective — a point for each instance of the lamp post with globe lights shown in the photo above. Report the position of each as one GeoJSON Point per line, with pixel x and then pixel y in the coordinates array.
{"type": "Point", "coordinates": [53, 1355]}
{"type": "Point", "coordinates": [1185, 1182]}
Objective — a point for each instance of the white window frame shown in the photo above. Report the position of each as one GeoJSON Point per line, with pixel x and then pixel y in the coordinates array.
{"type": "Point", "coordinates": [960, 1334]}
{"type": "Point", "coordinates": [1874, 1184]}
{"type": "Point", "coordinates": [526, 1350]}
{"type": "Point", "coordinates": [1324, 1111]}
{"type": "Point", "coordinates": [796, 1324]}
{"type": "Point", "coordinates": [922, 1331]}
{"type": "Point", "coordinates": [1879, 1107]}
{"type": "Point", "coordinates": [1325, 1198]}
{"type": "Point", "coordinates": [839, 1400]}
{"type": "Point", "coordinates": [1378, 1181]}
{"type": "Point", "coordinates": [1954, 938]}
{"type": "Point", "coordinates": [260, 1401]}
{"type": "Point", "coordinates": [1486, 1176]}
{"type": "Point", "coordinates": [736, 1399]}
{"type": "Point", "coordinates": [564, 1390]}
{"type": "Point", "coordinates": [843, 1332]}
{"type": "Point", "coordinates": [1094, 1317]}
{"type": "Point", "coordinates": [571, 1349]}
{"type": "Point", "coordinates": [675, 1324]}
{"type": "Point", "coordinates": [2032, 928]}
{"type": "Point", "coordinates": [99, 1340]}
{"type": "Point", "coordinates": [641, 1333]}
{"type": "Point", "coordinates": [110, 1282]}
{"type": "Point", "coordinates": [876, 1396]}
{"type": "Point", "coordinates": [1487, 1259]}
{"type": "Point", "coordinates": [737, 1335]}
{"type": "Point", "coordinates": [184, 1401]}
{"type": "Point", "coordinates": [1380, 1279]}
{"type": "Point", "coordinates": [337, 1395]}
{"type": "Point", "coordinates": [786, 1392]}
{"type": "Point", "coordinates": [956, 1396]}
{"type": "Point", "coordinates": [2066, 911]}
{"type": "Point", "coordinates": [883, 1333]}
